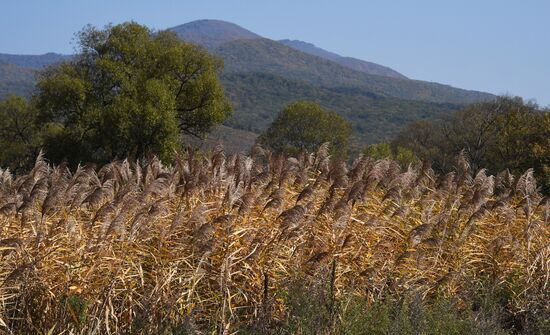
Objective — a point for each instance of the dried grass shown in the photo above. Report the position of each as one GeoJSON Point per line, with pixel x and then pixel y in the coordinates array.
{"type": "Point", "coordinates": [211, 241]}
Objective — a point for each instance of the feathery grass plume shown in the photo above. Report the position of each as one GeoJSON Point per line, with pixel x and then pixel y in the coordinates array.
{"type": "Point", "coordinates": [446, 183]}
{"type": "Point", "coordinates": [546, 210]}
{"type": "Point", "coordinates": [260, 180]}
{"type": "Point", "coordinates": [9, 209]}
{"type": "Point", "coordinates": [419, 233]}
{"type": "Point", "coordinates": [322, 158]}
{"type": "Point", "coordinates": [504, 182]}
{"type": "Point", "coordinates": [401, 211]}
{"type": "Point", "coordinates": [356, 192]}
{"type": "Point", "coordinates": [464, 170]}
{"type": "Point", "coordinates": [257, 151]}
{"type": "Point", "coordinates": [6, 178]}
{"type": "Point", "coordinates": [305, 194]}
{"type": "Point", "coordinates": [290, 219]}
{"type": "Point", "coordinates": [36, 195]}
{"type": "Point", "coordinates": [105, 191]}
{"type": "Point", "coordinates": [59, 181]}
{"type": "Point", "coordinates": [526, 183]}
{"type": "Point", "coordinates": [245, 203]}
{"type": "Point", "coordinates": [358, 168]}
{"type": "Point", "coordinates": [177, 222]}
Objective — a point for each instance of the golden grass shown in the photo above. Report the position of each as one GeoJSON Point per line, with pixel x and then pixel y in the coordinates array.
{"type": "Point", "coordinates": [141, 247]}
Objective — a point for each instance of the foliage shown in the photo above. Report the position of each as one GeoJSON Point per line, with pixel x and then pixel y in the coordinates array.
{"type": "Point", "coordinates": [406, 315]}
{"type": "Point", "coordinates": [215, 244]}
{"type": "Point", "coordinates": [19, 136]}
{"type": "Point", "coordinates": [403, 156]}
{"type": "Point", "coordinates": [504, 134]}
{"type": "Point", "coordinates": [129, 92]}
{"type": "Point", "coordinates": [305, 125]}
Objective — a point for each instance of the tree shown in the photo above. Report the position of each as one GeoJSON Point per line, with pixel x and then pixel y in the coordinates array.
{"type": "Point", "coordinates": [19, 139]}
{"type": "Point", "coordinates": [425, 139]}
{"type": "Point", "coordinates": [506, 133]}
{"type": "Point", "coordinates": [305, 125]}
{"type": "Point", "coordinates": [129, 91]}
{"type": "Point", "coordinates": [403, 156]}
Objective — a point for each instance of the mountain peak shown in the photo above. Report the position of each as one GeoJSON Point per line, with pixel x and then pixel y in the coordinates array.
{"type": "Point", "coordinates": [212, 33]}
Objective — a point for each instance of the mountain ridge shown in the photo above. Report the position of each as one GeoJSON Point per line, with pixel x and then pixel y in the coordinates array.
{"type": "Point", "coordinates": [350, 62]}
{"type": "Point", "coordinates": [33, 61]}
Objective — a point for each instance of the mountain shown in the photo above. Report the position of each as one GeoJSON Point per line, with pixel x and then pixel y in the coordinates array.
{"type": "Point", "coordinates": [268, 56]}
{"type": "Point", "coordinates": [352, 63]}
{"type": "Point", "coordinates": [212, 33]}
{"type": "Point", "coordinates": [262, 75]}
{"type": "Point", "coordinates": [33, 61]}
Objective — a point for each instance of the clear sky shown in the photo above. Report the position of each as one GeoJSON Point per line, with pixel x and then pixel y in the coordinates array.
{"type": "Point", "coordinates": [498, 46]}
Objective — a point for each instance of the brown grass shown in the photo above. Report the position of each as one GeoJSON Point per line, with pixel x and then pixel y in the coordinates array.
{"type": "Point", "coordinates": [211, 241]}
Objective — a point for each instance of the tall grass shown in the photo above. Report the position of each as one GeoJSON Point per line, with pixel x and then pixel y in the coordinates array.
{"type": "Point", "coordinates": [216, 243]}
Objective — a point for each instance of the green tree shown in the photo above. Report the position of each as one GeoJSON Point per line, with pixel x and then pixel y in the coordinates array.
{"type": "Point", "coordinates": [305, 125]}
{"type": "Point", "coordinates": [19, 139]}
{"type": "Point", "coordinates": [403, 156]}
{"type": "Point", "coordinates": [129, 91]}
{"type": "Point", "coordinates": [378, 151]}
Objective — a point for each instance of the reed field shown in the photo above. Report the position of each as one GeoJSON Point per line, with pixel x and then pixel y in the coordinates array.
{"type": "Point", "coordinates": [267, 244]}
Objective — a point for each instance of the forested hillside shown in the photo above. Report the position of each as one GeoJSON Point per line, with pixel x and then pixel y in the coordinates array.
{"type": "Point", "coordinates": [15, 79]}
{"type": "Point", "coordinates": [264, 55]}
{"type": "Point", "coordinates": [258, 96]}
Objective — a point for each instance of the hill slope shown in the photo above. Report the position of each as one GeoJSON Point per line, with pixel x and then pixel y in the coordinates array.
{"type": "Point", "coordinates": [352, 63]}
{"type": "Point", "coordinates": [15, 79]}
{"type": "Point", "coordinates": [257, 97]}
{"type": "Point", "coordinates": [264, 55]}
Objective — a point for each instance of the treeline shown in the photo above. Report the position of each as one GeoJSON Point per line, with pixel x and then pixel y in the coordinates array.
{"type": "Point", "coordinates": [507, 133]}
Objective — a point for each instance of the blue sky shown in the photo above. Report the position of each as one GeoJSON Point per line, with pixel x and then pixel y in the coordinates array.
{"type": "Point", "coordinates": [498, 46]}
